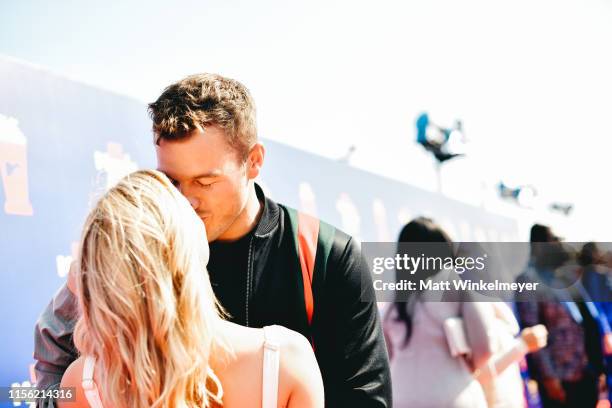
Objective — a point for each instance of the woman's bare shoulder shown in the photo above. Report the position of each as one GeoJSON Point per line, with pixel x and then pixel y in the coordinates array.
{"type": "Point", "coordinates": [300, 377]}
{"type": "Point", "coordinates": [72, 379]}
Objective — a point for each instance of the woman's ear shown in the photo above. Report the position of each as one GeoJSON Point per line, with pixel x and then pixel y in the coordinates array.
{"type": "Point", "coordinates": [255, 160]}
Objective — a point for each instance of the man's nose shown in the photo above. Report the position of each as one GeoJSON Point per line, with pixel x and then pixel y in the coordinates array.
{"type": "Point", "coordinates": [195, 203]}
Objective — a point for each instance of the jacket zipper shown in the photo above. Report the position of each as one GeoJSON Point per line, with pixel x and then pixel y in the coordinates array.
{"type": "Point", "coordinates": [249, 281]}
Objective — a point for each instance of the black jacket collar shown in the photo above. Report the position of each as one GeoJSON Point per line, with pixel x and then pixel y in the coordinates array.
{"type": "Point", "coordinates": [269, 220]}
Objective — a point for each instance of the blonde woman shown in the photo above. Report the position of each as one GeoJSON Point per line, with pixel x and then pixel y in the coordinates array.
{"type": "Point", "coordinates": [150, 331]}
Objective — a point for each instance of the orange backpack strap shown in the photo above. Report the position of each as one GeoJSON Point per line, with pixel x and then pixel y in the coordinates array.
{"type": "Point", "coordinates": [307, 235]}
{"type": "Point", "coordinates": [313, 241]}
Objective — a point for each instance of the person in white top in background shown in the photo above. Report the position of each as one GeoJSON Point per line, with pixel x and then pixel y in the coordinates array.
{"type": "Point", "coordinates": [425, 372]}
{"type": "Point", "coordinates": [150, 331]}
{"type": "Point", "coordinates": [501, 377]}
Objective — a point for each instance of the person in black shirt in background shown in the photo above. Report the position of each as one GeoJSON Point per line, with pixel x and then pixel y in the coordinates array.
{"type": "Point", "coordinates": [206, 142]}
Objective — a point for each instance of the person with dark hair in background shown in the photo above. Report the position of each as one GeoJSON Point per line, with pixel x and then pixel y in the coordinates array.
{"type": "Point", "coordinates": [596, 281]}
{"type": "Point", "coordinates": [424, 372]}
{"type": "Point", "coordinates": [568, 369]}
{"type": "Point", "coordinates": [595, 274]}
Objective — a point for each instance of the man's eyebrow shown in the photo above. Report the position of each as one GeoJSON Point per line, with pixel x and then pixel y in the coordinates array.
{"type": "Point", "coordinates": [210, 174]}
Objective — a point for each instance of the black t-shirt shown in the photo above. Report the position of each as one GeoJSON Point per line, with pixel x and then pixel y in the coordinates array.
{"type": "Point", "coordinates": [227, 267]}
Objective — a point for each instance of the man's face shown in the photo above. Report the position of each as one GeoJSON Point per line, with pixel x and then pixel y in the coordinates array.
{"type": "Point", "coordinates": [209, 172]}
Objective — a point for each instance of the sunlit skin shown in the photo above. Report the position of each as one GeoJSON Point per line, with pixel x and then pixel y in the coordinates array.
{"type": "Point", "coordinates": [218, 184]}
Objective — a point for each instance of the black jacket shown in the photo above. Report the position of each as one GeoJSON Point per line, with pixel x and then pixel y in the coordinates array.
{"type": "Point", "coordinates": [346, 332]}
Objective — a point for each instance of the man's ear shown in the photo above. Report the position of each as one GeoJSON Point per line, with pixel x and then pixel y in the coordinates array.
{"type": "Point", "coordinates": [255, 160]}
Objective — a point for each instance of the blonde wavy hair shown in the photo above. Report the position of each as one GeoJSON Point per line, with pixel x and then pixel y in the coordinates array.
{"type": "Point", "coordinates": [147, 310]}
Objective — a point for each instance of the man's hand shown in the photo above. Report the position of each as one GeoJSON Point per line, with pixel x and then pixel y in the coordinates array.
{"type": "Point", "coordinates": [554, 389]}
{"type": "Point", "coordinates": [389, 344]}
{"type": "Point", "coordinates": [71, 283]}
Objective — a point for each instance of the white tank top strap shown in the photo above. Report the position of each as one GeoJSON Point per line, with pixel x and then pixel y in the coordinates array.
{"type": "Point", "coordinates": [271, 362]}
{"type": "Point", "coordinates": [88, 384]}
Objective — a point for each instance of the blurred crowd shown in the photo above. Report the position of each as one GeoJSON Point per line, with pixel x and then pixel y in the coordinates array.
{"type": "Point", "coordinates": [551, 351]}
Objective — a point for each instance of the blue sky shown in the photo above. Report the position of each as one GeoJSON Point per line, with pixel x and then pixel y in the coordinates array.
{"type": "Point", "coordinates": [530, 80]}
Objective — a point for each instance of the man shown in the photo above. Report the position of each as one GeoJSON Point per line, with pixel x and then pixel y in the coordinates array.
{"type": "Point", "coordinates": [568, 369]}
{"type": "Point", "coordinates": [206, 142]}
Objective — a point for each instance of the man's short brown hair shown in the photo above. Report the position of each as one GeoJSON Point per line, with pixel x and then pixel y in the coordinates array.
{"type": "Point", "coordinates": [203, 100]}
